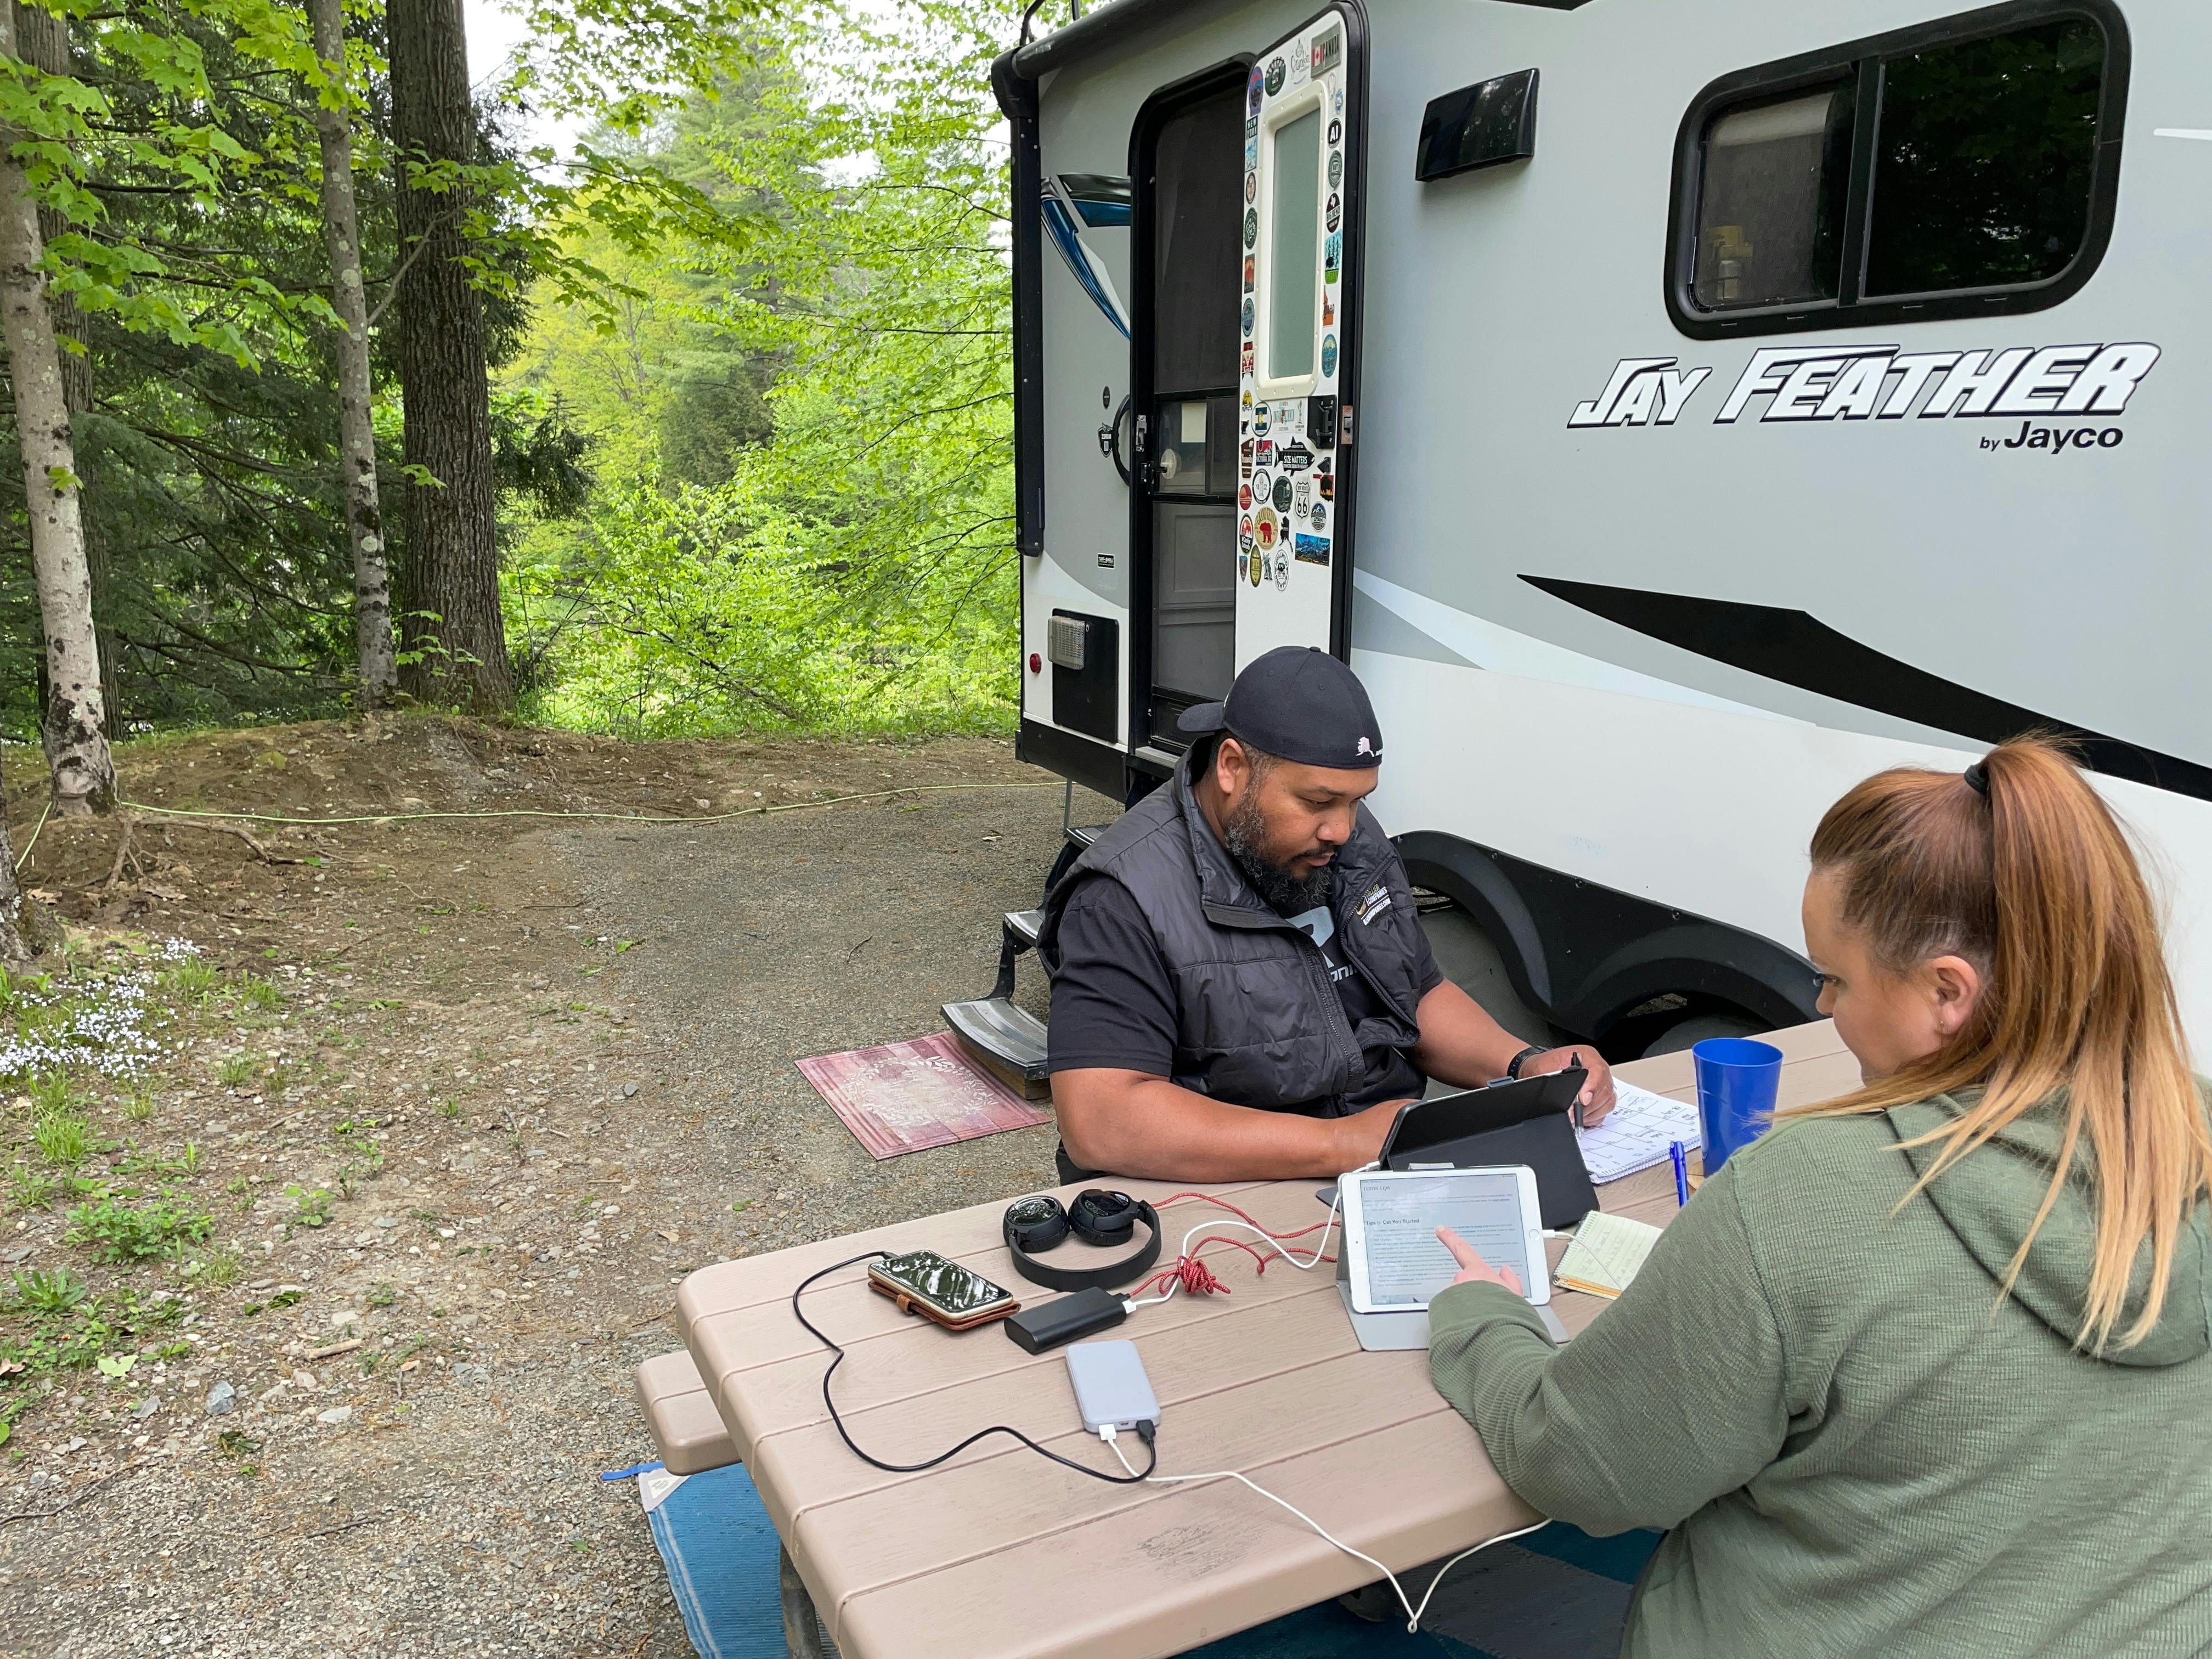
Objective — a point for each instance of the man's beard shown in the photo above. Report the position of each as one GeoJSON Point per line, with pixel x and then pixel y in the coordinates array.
{"type": "Point", "coordinates": [1244, 833]}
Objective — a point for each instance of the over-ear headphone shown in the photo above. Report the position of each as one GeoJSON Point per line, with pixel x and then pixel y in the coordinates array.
{"type": "Point", "coordinates": [1097, 1216]}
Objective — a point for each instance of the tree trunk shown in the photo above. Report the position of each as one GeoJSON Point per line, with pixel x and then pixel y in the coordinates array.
{"type": "Point", "coordinates": [372, 587]}
{"type": "Point", "coordinates": [42, 37]}
{"type": "Point", "coordinates": [459, 649]}
{"type": "Point", "coordinates": [76, 745]}
{"type": "Point", "coordinates": [26, 928]}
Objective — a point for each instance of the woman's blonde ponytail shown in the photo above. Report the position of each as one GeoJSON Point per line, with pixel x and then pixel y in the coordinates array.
{"type": "Point", "coordinates": [2021, 868]}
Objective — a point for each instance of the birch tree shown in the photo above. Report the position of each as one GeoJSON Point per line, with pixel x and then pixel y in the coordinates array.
{"type": "Point", "coordinates": [73, 723]}
{"type": "Point", "coordinates": [372, 585]}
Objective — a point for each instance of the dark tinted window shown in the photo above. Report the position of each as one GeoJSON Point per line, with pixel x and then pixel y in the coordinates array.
{"type": "Point", "coordinates": [1905, 168]}
{"type": "Point", "coordinates": [1983, 164]}
{"type": "Point", "coordinates": [1770, 217]}
{"type": "Point", "coordinates": [1198, 206]}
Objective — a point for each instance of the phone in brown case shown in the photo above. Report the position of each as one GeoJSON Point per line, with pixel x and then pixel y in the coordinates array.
{"type": "Point", "coordinates": [923, 1282]}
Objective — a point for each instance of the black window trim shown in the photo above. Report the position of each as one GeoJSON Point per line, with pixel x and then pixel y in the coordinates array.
{"type": "Point", "coordinates": [1860, 59]}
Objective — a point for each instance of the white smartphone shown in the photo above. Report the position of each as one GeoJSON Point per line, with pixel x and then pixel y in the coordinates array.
{"type": "Point", "coordinates": [1396, 1262]}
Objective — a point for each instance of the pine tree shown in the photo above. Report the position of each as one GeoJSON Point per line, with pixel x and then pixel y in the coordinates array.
{"type": "Point", "coordinates": [454, 635]}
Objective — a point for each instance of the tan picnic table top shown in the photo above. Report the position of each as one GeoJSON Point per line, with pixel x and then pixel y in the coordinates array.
{"type": "Point", "coordinates": [1000, 1554]}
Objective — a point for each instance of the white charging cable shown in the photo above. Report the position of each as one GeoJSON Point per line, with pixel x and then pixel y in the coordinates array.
{"type": "Point", "coordinates": [1413, 1614]}
{"type": "Point", "coordinates": [1183, 1250]}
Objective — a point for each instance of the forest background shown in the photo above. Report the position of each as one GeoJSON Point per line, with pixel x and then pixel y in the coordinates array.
{"type": "Point", "coordinates": [742, 357]}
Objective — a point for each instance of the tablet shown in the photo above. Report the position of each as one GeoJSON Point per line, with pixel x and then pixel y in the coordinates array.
{"type": "Point", "coordinates": [1396, 1262]}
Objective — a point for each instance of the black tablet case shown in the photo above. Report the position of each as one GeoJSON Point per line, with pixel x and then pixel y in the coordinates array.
{"type": "Point", "coordinates": [1523, 1121]}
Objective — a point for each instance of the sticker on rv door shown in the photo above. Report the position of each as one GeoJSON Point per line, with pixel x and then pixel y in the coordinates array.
{"type": "Point", "coordinates": [1294, 351]}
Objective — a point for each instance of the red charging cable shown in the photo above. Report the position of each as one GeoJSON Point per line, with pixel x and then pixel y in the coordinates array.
{"type": "Point", "coordinates": [1193, 1276]}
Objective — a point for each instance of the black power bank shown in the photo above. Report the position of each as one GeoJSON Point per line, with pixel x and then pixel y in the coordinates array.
{"type": "Point", "coordinates": [1047, 1325]}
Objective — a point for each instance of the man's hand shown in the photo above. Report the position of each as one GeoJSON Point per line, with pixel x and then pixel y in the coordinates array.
{"type": "Point", "coordinates": [1472, 1269]}
{"type": "Point", "coordinates": [1597, 1097]}
{"type": "Point", "coordinates": [1360, 1136]}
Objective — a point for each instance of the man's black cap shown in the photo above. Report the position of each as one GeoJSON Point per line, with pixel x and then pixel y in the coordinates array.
{"type": "Point", "coordinates": [1299, 703]}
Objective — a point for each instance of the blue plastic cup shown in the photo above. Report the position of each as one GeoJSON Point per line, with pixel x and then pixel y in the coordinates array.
{"type": "Point", "coordinates": [1737, 1078]}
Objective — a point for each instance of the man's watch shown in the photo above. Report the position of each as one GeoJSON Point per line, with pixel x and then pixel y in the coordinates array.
{"type": "Point", "coordinates": [1513, 1065]}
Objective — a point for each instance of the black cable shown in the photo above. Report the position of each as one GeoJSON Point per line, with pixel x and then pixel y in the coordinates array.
{"type": "Point", "coordinates": [1026, 17]}
{"type": "Point", "coordinates": [996, 1428]}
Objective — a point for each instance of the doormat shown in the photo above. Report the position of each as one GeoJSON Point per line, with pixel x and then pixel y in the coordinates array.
{"type": "Point", "coordinates": [1557, 1593]}
{"type": "Point", "coordinates": [903, 1097]}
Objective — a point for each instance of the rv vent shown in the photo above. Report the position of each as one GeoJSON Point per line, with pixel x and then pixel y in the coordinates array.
{"type": "Point", "coordinates": [1064, 642]}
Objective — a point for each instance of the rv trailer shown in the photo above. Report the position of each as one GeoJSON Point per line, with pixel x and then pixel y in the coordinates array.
{"type": "Point", "coordinates": [1675, 412]}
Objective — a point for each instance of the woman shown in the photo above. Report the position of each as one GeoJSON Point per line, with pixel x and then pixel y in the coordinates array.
{"type": "Point", "coordinates": [1924, 1371]}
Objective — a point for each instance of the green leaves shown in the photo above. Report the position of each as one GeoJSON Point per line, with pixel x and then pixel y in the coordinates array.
{"type": "Point", "coordinates": [850, 566]}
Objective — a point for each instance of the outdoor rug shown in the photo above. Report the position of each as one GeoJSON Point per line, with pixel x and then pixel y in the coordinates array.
{"type": "Point", "coordinates": [1557, 1593]}
{"type": "Point", "coordinates": [902, 1096]}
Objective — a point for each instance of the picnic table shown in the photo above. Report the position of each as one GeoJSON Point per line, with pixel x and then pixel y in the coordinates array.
{"type": "Point", "coordinates": [1002, 1554]}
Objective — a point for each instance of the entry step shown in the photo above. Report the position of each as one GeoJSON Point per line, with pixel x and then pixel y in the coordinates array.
{"type": "Point", "coordinates": [1009, 1041]}
{"type": "Point", "coordinates": [1025, 926]}
{"type": "Point", "coordinates": [1081, 836]}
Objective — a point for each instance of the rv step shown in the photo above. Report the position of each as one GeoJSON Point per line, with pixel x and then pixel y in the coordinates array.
{"type": "Point", "coordinates": [1025, 926]}
{"type": "Point", "coordinates": [686, 1426]}
{"type": "Point", "coordinates": [1081, 836]}
{"type": "Point", "coordinates": [1007, 1040]}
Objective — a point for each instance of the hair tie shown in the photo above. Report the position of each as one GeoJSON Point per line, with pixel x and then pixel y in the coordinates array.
{"type": "Point", "coordinates": [1977, 779]}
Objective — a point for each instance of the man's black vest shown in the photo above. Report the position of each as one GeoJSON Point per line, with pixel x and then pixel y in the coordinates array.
{"type": "Point", "coordinates": [1258, 1023]}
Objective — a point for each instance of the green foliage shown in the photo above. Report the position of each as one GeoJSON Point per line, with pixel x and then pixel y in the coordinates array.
{"type": "Point", "coordinates": [234, 1069]}
{"type": "Point", "coordinates": [49, 1289]}
{"type": "Point", "coordinates": [63, 1138]}
{"type": "Point", "coordinates": [49, 1321]}
{"type": "Point", "coordinates": [218, 1269]}
{"type": "Point", "coordinates": [33, 1189]}
{"type": "Point", "coordinates": [752, 435]}
{"type": "Point", "coordinates": [191, 980]}
{"type": "Point", "coordinates": [311, 1207]}
{"type": "Point", "coordinates": [838, 555]}
{"type": "Point", "coordinates": [120, 1232]}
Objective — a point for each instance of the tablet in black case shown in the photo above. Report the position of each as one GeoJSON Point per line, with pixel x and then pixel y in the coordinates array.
{"type": "Point", "coordinates": [1519, 1121]}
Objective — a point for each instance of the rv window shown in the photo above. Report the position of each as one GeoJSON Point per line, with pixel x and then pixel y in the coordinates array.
{"type": "Point", "coordinates": [1956, 168]}
{"type": "Point", "coordinates": [1770, 217]}
{"type": "Point", "coordinates": [1197, 185]}
{"type": "Point", "coordinates": [1983, 167]}
{"type": "Point", "coordinates": [1293, 262]}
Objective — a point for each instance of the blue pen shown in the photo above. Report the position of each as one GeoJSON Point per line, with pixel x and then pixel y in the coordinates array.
{"type": "Point", "coordinates": [1682, 1175]}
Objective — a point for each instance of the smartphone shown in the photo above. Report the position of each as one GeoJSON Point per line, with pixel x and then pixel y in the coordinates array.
{"type": "Point", "coordinates": [923, 1282]}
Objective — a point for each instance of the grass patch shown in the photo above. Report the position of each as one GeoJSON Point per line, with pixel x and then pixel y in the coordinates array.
{"type": "Point", "coordinates": [53, 1322]}
{"type": "Point", "coordinates": [121, 1233]}
{"type": "Point", "coordinates": [64, 1139]}
{"type": "Point", "coordinates": [33, 1189]}
{"type": "Point", "coordinates": [235, 1070]}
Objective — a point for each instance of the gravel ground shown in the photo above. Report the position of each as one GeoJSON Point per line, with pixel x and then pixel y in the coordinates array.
{"type": "Point", "coordinates": [575, 1045]}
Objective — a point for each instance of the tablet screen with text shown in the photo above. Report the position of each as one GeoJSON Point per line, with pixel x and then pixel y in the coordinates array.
{"type": "Point", "coordinates": [1406, 1263]}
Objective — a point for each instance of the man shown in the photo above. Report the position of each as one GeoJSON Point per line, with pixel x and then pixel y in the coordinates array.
{"type": "Point", "coordinates": [1241, 988]}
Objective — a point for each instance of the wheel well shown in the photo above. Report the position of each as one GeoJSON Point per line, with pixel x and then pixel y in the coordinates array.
{"type": "Point", "coordinates": [1590, 958]}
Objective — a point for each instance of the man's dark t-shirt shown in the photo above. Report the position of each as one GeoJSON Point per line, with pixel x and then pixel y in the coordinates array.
{"type": "Point", "coordinates": [1112, 1003]}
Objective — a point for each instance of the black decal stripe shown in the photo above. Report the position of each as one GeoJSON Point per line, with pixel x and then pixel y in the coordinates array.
{"type": "Point", "coordinates": [1801, 650]}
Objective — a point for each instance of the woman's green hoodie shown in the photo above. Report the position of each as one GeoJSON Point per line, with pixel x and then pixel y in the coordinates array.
{"type": "Point", "coordinates": [1856, 1448]}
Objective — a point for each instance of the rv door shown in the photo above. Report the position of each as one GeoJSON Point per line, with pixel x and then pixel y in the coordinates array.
{"type": "Point", "coordinates": [1299, 236]}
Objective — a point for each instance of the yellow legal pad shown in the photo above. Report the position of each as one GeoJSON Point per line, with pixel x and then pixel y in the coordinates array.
{"type": "Point", "coordinates": [1605, 1254]}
